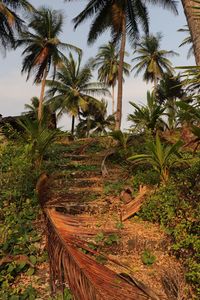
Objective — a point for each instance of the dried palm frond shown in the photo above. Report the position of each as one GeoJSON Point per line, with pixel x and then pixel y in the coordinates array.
{"type": "Point", "coordinates": [134, 206]}
{"type": "Point", "coordinates": [87, 279]}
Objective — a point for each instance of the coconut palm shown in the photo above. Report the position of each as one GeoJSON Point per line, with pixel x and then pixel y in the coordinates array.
{"type": "Point", "coordinates": [191, 9]}
{"type": "Point", "coordinates": [48, 116]}
{"type": "Point", "coordinates": [95, 120]}
{"type": "Point", "coordinates": [148, 116]}
{"type": "Point", "coordinates": [151, 59]}
{"type": "Point", "coordinates": [10, 21]}
{"type": "Point", "coordinates": [72, 89]}
{"type": "Point", "coordinates": [42, 47]}
{"type": "Point", "coordinates": [107, 63]}
{"type": "Point", "coordinates": [38, 138]}
{"type": "Point", "coordinates": [123, 18]}
{"type": "Point", "coordinates": [160, 156]}
{"type": "Point", "coordinates": [187, 40]}
{"type": "Point", "coordinates": [167, 92]}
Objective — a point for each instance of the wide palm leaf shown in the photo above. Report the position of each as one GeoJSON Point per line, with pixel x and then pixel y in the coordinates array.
{"type": "Point", "coordinates": [10, 21]}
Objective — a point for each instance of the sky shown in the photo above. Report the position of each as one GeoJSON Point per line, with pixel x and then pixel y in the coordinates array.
{"type": "Point", "coordinates": [15, 91]}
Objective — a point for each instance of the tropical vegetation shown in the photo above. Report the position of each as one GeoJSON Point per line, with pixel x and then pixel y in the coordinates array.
{"type": "Point", "coordinates": [95, 212]}
{"type": "Point", "coordinates": [152, 60]}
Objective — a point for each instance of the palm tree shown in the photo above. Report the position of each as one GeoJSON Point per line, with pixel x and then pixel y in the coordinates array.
{"type": "Point", "coordinates": [148, 116]}
{"type": "Point", "coordinates": [187, 40]}
{"type": "Point", "coordinates": [72, 89]}
{"type": "Point", "coordinates": [190, 8]}
{"type": "Point", "coordinates": [167, 92]}
{"type": "Point", "coordinates": [151, 59]}
{"type": "Point", "coordinates": [42, 47]}
{"type": "Point", "coordinates": [95, 119]}
{"type": "Point", "coordinates": [10, 21]}
{"type": "Point", "coordinates": [160, 156]}
{"type": "Point", "coordinates": [48, 116]}
{"type": "Point", "coordinates": [123, 18]}
{"type": "Point", "coordinates": [107, 62]}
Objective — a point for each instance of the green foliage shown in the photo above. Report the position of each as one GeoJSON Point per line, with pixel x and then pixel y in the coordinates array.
{"type": "Point", "coordinates": [16, 294]}
{"type": "Point", "coordinates": [176, 207]}
{"type": "Point", "coordinates": [144, 176]}
{"type": "Point", "coordinates": [113, 188]}
{"type": "Point", "coordinates": [147, 117]}
{"type": "Point", "coordinates": [17, 179]}
{"type": "Point", "coordinates": [152, 60]}
{"type": "Point", "coordinates": [63, 296]}
{"type": "Point", "coordinates": [109, 240]}
{"type": "Point", "coordinates": [160, 156]}
{"type": "Point", "coordinates": [112, 239]}
{"type": "Point", "coordinates": [121, 138]}
{"type": "Point", "coordinates": [148, 258]}
{"type": "Point", "coordinates": [19, 209]}
{"type": "Point", "coordinates": [38, 138]}
{"type": "Point", "coordinates": [119, 225]}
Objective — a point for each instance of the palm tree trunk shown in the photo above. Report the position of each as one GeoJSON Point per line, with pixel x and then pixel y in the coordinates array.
{"type": "Point", "coordinates": [73, 123]}
{"type": "Point", "coordinates": [155, 82]}
{"type": "Point", "coordinates": [120, 75]}
{"type": "Point", "coordinates": [113, 99]}
{"type": "Point", "coordinates": [40, 107]}
{"type": "Point", "coordinates": [193, 23]}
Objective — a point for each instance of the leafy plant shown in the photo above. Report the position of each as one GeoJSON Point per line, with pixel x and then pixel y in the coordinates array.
{"type": "Point", "coordinates": [160, 156]}
{"type": "Point", "coordinates": [112, 239]}
{"type": "Point", "coordinates": [38, 138]}
{"type": "Point", "coordinates": [176, 207]}
{"type": "Point", "coordinates": [148, 258]}
{"type": "Point", "coordinates": [148, 117]}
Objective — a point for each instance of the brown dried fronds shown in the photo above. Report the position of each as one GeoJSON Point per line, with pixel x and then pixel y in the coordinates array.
{"type": "Point", "coordinates": [174, 284]}
{"type": "Point", "coordinates": [88, 280]}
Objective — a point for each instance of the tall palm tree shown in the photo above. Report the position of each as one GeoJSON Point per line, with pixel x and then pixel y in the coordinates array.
{"type": "Point", "coordinates": [193, 24]}
{"type": "Point", "coordinates": [42, 47]}
{"type": "Point", "coordinates": [72, 89]}
{"type": "Point", "coordinates": [107, 62]}
{"type": "Point", "coordinates": [123, 18]}
{"type": "Point", "coordinates": [10, 21]}
{"type": "Point", "coordinates": [151, 59]}
{"type": "Point", "coordinates": [187, 40]}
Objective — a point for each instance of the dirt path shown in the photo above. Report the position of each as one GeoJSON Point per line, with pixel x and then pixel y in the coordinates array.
{"type": "Point", "coordinates": [78, 188]}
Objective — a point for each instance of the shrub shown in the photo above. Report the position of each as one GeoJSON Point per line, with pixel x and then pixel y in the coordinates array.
{"type": "Point", "coordinates": [176, 207]}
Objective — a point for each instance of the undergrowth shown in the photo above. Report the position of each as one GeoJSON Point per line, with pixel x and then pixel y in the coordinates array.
{"type": "Point", "coordinates": [176, 207]}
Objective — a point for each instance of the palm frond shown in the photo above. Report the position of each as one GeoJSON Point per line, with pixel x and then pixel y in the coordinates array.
{"type": "Point", "coordinates": [87, 279]}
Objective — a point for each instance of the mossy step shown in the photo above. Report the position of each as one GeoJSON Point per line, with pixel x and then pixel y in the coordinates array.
{"type": "Point", "coordinates": [81, 167]}
{"type": "Point", "coordinates": [85, 183]}
{"type": "Point", "coordinates": [83, 157]}
{"type": "Point", "coordinates": [81, 189]}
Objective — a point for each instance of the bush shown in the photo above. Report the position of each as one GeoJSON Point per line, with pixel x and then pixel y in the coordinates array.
{"type": "Point", "coordinates": [176, 207]}
{"type": "Point", "coordinates": [19, 208]}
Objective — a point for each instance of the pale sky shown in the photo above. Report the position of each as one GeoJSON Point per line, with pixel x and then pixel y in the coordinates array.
{"type": "Point", "coordinates": [15, 91]}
